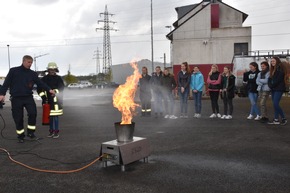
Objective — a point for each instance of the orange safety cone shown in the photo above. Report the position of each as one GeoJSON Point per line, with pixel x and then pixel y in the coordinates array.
{"type": "Point", "coordinates": [45, 114]}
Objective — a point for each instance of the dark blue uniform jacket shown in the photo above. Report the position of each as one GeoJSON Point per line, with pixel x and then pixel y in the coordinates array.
{"type": "Point", "coordinates": [20, 80]}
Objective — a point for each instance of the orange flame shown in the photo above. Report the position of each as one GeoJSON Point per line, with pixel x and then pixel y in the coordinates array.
{"type": "Point", "coordinates": [123, 98]}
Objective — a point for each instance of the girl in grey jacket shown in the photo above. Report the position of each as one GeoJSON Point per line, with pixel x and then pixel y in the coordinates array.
{"type": "Point", "coordinates": [263, 89]}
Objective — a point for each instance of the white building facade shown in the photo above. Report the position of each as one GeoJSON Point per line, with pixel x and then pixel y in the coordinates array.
{"type": "Point", "coordinates": [207, 33]}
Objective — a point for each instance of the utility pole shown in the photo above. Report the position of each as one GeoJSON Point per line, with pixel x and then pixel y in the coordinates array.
{"type": "Point", "coordinates": [8, 56]}
{"type": "Point", "coordinates": [164, 58]}
{"type": "Point", "coordinates": [152, 51]}
{"type": "Point", "coordinates": [171, 57]}
{"type": "Point", "coordinates": [38, 57]}
{"type": "Point", "coordinates": [107, 57]}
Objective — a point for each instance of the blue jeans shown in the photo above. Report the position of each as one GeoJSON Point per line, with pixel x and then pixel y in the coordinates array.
{"type": "Point", "coordinates": [197, 101]}
{"type": "Point", "coordinates": [183, 100]}
{"type": "Point", "coordinates": [157, 94]}
{"type": "Point", "coordinates": [168, 102]}
{"type": "Point", "coordinates": [276, 97]}
{"type": "Point", "coordinates": [254, 107]}
{"type": "Point", "coordinates": [53, 122]}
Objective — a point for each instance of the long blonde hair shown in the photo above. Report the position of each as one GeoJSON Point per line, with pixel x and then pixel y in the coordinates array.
{"type": "Point", "coordinates": [213, 66]}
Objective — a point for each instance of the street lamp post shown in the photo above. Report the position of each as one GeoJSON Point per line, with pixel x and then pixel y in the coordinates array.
{"type": "Point", "coordinates": [170, 27]}
{"type": "Point", "coordinates": [8, 56]}
{"type": "Point", "coordinates": [164, 60]}
{"type": "Point", "coordinates": [38, 57]}
{"type": "Point", "coordinates": [152, 43]}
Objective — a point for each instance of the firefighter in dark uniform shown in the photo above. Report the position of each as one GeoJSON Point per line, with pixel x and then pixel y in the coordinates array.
{"type": "Point", "coordinates": [55, 102]}
{"type": "Point", "coordinates": [145, 92]}
{"type": "Point", "coordinates": [20, 80]}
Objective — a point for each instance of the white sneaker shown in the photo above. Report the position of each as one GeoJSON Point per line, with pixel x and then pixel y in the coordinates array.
{"type": "Point", "coordinates": [250, 117]}
{"type": "Point", "coordinates": [172, 117]}
{"type": "Point", "coordinates": [223, 117]}
{"type": "Point", "coordinates": [195, 114]}
{"type": "Point", "coordinates": [198, 115]}
{"type": "Point", "coordinates": [218, 115]}
{"type": "Point", "coordinates": [257, 118]}
{"type": "Point", "coordinates": [229, 117]}
{"type": "Point", "coordinates": [166, 116]}
{"type": "Point", "coordinates": [212, 115]}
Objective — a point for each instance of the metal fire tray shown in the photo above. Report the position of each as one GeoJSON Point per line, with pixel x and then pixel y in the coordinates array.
{"type": "Point", "coordinates": [125, 153]}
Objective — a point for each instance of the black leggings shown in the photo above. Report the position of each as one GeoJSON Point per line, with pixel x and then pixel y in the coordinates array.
{"type": "Point", "coordinates": [214, 96]}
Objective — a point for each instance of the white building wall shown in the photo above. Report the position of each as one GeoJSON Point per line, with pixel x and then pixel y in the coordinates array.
{"type": "Point", "coordinates": [196, 43]}
{"type": "Point", "coordinates": [230, 17]}
{"type": "Point", "coordinates": [198, 27]}
{"type": "Point", "coordinates": [195, 10]}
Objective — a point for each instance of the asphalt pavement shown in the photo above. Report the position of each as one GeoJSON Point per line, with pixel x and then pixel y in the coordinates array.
{"type": "Point", "coordinates": [187, 155]}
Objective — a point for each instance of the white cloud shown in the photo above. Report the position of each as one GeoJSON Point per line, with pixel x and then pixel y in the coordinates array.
{"type": "Point", "coordinates": [66, 29]}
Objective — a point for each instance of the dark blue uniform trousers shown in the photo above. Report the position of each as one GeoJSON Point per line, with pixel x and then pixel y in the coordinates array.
{"type": "Point", "coordinates": [18, 104]}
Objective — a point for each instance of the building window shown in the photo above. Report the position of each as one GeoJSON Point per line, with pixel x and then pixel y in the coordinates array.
{"type": "Point", "coordinates": [241, 48]}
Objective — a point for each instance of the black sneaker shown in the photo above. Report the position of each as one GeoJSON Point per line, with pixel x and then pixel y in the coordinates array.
{"type": "Point", "coordinates": [55, 136]}
{"type": "Point", "coordinates": [284, 121]}
{"type": "Point", "coordinates": [274, 122]}
{"type": "Point", "coordinates": [20, 140]}
{"type": "Point", "coordinates": [32, 136]}
{"type": "Point", "coordinates": [264, 120]}
{"type": "Point", "coordinates": [50, 135]}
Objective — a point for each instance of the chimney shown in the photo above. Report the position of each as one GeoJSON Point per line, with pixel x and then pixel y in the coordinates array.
{"type": "Point", "coordinates": [215, 15]}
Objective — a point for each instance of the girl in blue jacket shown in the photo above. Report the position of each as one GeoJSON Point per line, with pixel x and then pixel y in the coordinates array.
{"type": "Point", "coordinates": [196, 85]}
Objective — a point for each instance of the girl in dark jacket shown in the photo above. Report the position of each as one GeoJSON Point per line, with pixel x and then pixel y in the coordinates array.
{"type": "Point", "coordinates": [277, 83]}
{"type": "Point", "coordinates": [168, 85]}
{"type": "Point", "coordinates": [228, 92]}
{"type": "Point", "coordinates": [183, 79]}
{"type": "Point", "coordinates": [250, 79]}
{"type": "Point", "coordinates": [214, 86]}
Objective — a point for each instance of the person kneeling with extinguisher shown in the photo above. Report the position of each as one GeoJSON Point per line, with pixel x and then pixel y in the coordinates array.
{"type": "Point", "coordinates": [52, 105]}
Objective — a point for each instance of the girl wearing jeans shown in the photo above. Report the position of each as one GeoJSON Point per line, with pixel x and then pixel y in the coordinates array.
{"type": "Point", "coordinates": [228, 92]}
{"type": "Point", "coordinates": [196, 85]}
{"type": "Point", "coordinates": [250, 78]}
{"type": "Point", "coordinates": [277, 83]}
{"type": "Point", "coordinates": [183, 79]}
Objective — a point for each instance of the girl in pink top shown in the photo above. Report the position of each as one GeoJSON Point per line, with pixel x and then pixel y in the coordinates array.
{"type": "Point", "coordinates": [214, 86]}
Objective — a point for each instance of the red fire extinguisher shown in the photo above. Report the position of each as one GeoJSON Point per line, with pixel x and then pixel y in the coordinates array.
{"type": "Point", "coordinates": [45, 114]}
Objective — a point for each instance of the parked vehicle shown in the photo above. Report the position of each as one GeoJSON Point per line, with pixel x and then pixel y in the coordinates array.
{"type": "Point", "coordinates": [107, 85]}
{"type": "Point", "coordinates": [75, 86]}
{"type": "Point", "coordinates": [86, 84]}
{"type": "Point", "coordinates": [112, 85]}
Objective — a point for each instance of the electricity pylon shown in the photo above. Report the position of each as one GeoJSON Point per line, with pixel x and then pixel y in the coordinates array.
{"type": "Point", "coordinates": [107, 56]}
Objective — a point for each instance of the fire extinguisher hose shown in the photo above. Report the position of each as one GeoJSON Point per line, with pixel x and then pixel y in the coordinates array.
{"type": "Point", "coordinates": [50, 171]}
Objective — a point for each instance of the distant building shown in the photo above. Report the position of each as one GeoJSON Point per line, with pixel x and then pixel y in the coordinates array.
{"type": "Point", "coordinates": [207, 33]}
